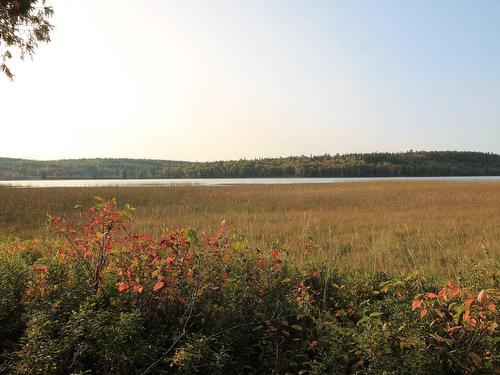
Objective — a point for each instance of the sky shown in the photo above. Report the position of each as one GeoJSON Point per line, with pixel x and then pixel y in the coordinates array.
{"type": "Point", "coordinates": [217, 80]}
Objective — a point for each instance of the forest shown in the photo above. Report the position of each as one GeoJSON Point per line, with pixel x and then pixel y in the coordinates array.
{"type": "Point", "coordinates": [411, 163]}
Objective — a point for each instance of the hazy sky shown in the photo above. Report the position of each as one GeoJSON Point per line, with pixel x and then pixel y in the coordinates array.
{"type": "Point", "coordinates": [205, 80]}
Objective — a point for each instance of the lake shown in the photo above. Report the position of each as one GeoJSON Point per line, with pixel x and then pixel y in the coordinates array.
{"type": "Point", "coordinates": [227, 181]}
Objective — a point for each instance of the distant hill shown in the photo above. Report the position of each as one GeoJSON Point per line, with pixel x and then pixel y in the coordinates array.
{"type": "Point", "coordinates": [411, 163]}
{"type": "Point", "coordinates": [83, 168]}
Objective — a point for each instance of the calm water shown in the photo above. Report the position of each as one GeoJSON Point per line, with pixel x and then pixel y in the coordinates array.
{"type": "Point", "coordinates": [226, 181]}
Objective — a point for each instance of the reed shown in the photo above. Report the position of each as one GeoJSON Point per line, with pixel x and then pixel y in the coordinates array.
{"type": "Point", "coordinates": [388, 226]}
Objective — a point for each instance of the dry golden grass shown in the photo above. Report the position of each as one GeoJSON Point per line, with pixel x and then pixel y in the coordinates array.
{"type": "Point", "coordinates": [387, 226]}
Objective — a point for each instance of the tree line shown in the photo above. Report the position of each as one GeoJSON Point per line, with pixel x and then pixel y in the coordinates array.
{"type": "Point", "coordinates": [411, 163]}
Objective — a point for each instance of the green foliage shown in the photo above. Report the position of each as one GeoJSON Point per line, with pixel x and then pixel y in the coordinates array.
{"type": "Point", "coordinates": [197, 303]}
{"type": "Point", "coordinates": [12, 285]}
{"type": "Point", "coordinates": [23, 25]}
{"type": "Point", "coordinates": [90, 338]}
{"type": "Point", "coordinates": [412, 163]}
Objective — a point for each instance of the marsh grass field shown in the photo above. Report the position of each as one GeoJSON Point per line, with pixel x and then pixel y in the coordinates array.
{"type": "Point", "coordinates": [436, 227]}
{"type": "Point", "coordinates": [362, 278]}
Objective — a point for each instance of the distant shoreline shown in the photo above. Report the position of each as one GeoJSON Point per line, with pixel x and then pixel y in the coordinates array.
{"type": "Point", "coordinates": [132, 183]}
{"type": "Point", "coordinates": [368, 165]}
{"type": "Point", "coordinates": [246, 178]}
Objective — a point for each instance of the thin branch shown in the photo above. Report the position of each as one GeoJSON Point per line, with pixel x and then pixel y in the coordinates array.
{"type": "Point", "coordinates": [183, 333]}
{"type": "Point", "coordinates": [249, 325]}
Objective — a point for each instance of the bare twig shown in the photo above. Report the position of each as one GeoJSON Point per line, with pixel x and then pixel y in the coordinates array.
{"type": "Point", "coordinates": [188, 312]}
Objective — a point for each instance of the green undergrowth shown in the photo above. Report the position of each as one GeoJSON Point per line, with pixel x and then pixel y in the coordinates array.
{"type": "Point", "coordinates": [98, 299]}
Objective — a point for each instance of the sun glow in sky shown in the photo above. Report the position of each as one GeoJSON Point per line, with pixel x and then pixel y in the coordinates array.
{"type": "Point", "coordinates": [206, 80]}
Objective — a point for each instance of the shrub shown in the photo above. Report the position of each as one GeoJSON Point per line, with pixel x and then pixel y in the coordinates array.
{"type": "Point", "coordinates": [12, 286]}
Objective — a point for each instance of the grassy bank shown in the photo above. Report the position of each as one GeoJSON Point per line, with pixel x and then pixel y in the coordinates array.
{"type": "Point", "coordinates": [387, 226]}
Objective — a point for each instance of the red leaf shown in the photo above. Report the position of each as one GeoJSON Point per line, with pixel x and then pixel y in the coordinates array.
{"type": "Point", "coordinates": [416, 304]}
{"type": "Point", "coordinates": [455, 291]}
{"type": "Point", "coordinates": [158, 286]}
{"type": "Point", "coordinates": [468, 302]}
{"type": "Point", "coordinates": [423, 313]}
{"type": "Point", "coordinates": [453, 329]}
{"type": "Point", "coordinates": [492, 307]}
{"type": "Point", "coordinates": [431, 295]}
{"type": "Point", "coordinates": [122, 287]}
{"type": "Point", "coordinates": [482, 296]}
{"type": "Point", "coordinates": [466, 315]}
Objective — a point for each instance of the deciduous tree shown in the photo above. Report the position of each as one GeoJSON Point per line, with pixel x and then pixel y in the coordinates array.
{"type": "Point", "coordinates": [23, 25]}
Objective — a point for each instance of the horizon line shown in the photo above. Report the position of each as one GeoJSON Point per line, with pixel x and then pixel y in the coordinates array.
{"type": "Point", "coordinates": [246, 158]}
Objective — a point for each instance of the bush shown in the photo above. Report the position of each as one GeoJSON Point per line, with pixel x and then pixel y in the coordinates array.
{"type": "Point", "coordinates": [12, 286]}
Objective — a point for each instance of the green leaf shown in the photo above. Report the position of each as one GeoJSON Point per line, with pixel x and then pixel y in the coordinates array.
{"type": "Point", "coordinates": [191, 236]}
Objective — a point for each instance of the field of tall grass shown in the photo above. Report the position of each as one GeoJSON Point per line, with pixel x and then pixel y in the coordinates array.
{"type": "Point", "coordinates": [436, 227]}
{"type": "Point", "coordinates": [370, 278]}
